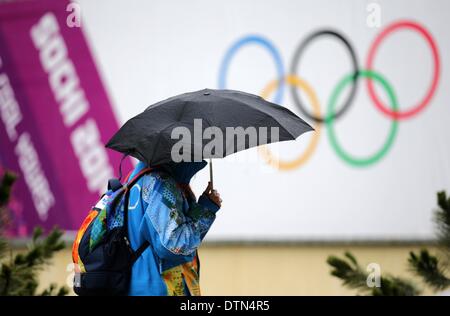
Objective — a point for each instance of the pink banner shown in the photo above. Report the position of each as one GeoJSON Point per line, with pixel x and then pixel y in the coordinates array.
{"type": "Point", "coordinates": [55, 117]}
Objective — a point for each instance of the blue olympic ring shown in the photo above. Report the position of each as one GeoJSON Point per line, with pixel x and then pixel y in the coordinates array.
{"type": "Point", "coordinates": [263, 42]}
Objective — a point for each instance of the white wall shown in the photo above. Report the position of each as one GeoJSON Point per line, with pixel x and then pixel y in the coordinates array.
{"type": "Point", "coordinates": [150, 50]}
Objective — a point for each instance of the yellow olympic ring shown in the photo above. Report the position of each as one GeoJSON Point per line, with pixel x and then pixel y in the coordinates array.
{"type": "Point", "coordinates": [293, 80]}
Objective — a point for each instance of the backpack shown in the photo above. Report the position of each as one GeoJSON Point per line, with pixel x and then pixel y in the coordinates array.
{"type": "Point", "coordinates": [101, 253]}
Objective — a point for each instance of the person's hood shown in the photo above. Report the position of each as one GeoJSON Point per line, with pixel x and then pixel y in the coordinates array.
{"type": "Point", "coordinates": [183, 172]}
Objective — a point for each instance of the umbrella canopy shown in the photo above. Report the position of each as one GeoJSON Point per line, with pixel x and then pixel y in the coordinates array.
{"type": "Point", "coordinates": [207, 115]}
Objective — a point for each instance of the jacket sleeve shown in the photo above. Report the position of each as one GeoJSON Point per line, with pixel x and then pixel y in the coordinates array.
{"type": "Point", "coordinates": [200, 212]}
{"type": "Point", "coordinates": [166, 226]}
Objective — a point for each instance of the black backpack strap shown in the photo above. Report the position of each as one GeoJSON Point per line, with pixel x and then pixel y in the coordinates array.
{"type": "Point", "coordinates": [139, 251]}
{"type": "Point", "coordinates": [129, 185]}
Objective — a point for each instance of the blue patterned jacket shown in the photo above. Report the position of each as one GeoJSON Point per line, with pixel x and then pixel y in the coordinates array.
{"type": "Point", "coordinates": [175, 225]}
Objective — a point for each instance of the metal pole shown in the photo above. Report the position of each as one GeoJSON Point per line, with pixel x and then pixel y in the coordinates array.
{"type": "Point", "coordinates": [211, 173]}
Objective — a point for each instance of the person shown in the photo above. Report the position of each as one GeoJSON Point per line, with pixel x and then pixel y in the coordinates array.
{"type": "Point", "coordinates": [164, 211]}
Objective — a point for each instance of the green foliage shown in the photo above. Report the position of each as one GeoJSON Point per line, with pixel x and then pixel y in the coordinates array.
{"type": "Point", "coordinates": [442, 221]}
{"type": "Point", "coordinates": [5, 187]}
{"type": "Point", "coordinates": [19, 272]}
{"type": "Point", "coordinates": [395, 286]}
{"type": "Point", "coordinates": [5, 191]}
{"type": "Point", "coordinates": [432, 269]}
{"type": "Point", "coordinates": [349, 271]}
{"type": "Point", "coordinates": [354, 277]}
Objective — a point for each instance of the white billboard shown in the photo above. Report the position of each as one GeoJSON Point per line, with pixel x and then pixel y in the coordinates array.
{"type": "Point", "coordinates": [370, 173]}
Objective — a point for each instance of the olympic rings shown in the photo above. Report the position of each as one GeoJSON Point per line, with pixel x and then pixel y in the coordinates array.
{"type": "Point", "coordinates": [423, 103]}
{"type": "Point", "coordinates": [331, 115]}
{"type": "Point", "coordinates": [294, 81]}
{"type": "Point", "coordinates": [360, 162]}
{"type": "Point", "coordinates": [298, 52]}
{"type": "Point", "coordinates": [261, 41]}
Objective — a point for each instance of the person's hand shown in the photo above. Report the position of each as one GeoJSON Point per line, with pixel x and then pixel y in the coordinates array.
{"type": "Point", "coordinates": [213, 195]}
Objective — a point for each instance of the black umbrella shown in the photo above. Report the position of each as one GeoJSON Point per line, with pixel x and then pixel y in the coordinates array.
{"type": "Point", "coordinates": [148, 136]}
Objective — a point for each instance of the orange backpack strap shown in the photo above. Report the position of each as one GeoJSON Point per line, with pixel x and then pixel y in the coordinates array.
{"type": "Point", "coordinates": [130, 183]}
{"type": "Point", "coordinates": [128, 176]}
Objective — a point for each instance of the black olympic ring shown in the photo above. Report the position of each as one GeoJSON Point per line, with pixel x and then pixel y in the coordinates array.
{"type": "Point", "coordinates": [295, 60]}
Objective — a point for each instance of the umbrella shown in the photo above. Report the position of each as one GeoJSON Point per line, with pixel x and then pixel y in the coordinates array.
{"type": "Point", "coordinates": [149, 136]}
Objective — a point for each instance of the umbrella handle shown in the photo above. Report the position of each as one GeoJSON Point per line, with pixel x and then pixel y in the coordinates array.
{"type": "Point", "coordinates": [211, 173]}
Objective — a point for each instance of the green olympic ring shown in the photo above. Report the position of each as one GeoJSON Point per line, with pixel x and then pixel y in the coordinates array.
{"type": "Point", "coordinates": [329, 118]}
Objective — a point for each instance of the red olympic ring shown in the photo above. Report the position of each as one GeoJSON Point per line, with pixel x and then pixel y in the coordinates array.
{"type": "Point", "coordinates": [423, 103]}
